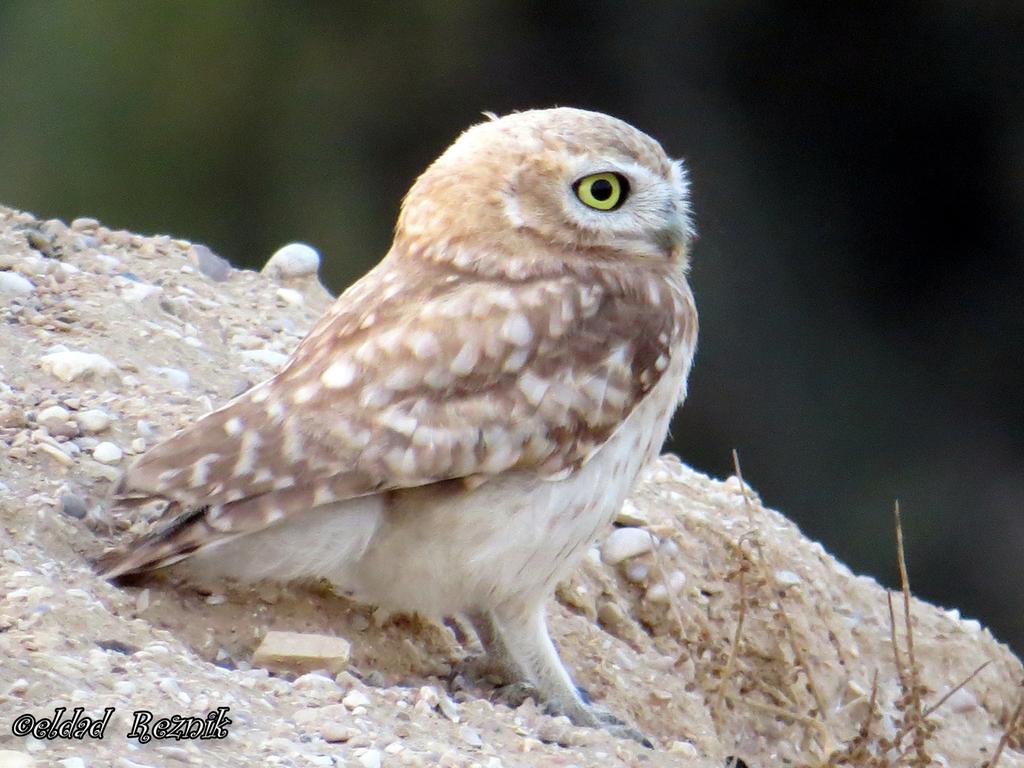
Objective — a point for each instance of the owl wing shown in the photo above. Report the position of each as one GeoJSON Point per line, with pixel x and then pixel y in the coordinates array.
{"type": "Point", "coordinates": [405, 383]}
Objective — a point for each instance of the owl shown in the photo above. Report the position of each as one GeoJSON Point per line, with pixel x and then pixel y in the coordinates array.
{"type": "Point", "coordinates": [469, 416]}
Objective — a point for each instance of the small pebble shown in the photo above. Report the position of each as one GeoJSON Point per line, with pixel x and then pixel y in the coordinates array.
{"type": "Point", "coordinates": [11, 759]}
{"type": "Point", "coordinates": [676, 581]}
{"type": "Point", "coordinates": [299, 651]}
{"type": "Point", "coordinates": [449, 708]}
{"type": "Point", "coordinates": [124, 762]}
{"type": "Point", "coordinates": [56, 453]}
{"type": "Point", "coordinates": [13, 284]}
{"type": "Point", "coordinates": [370, 758]}
{"type": "Point", "coordinates": [355, 699]}
{"type": "Point", "coordinates": [11, 416]}
{"type": "Point", "coordinates": [54, 416]}
{"type": "Point", "coordinates": [68, 365]}
{"type": "Point", "coordinates": [471, 736]}
{"type": "Point", "coordinates": [293, 260]}
{"type": "Point", "coordinates": [246, 341]}
{"type": "Point", "coordinates": [787, 578]}
{"type": "Point", "coordinates": [176, 377]}
{"type": "Point", "coordinates": [209, 263]}
{"type": "Point", "coordinates": [107, 453]}
{"type": "Point", "coordinates": [73, 505]}
{"type": "Point", "coordinates": [631, 515]}
{"type": "Point", "coordinates": [335, 731]}
{"type": "Point", "coordinates": [963, 701]}
{"type": "Point", "coordinates": [624, 543]}
{"type": "Point", "coordinates": [637, 572]}
{"type": "Point", "coordinates": [136, 292]}
{"type": "Point", "coordinates": [291, 297]}
{"type": "Point", "coordinates": [611, 615]}
{"type": "Point", "coordinates": [684, 748]}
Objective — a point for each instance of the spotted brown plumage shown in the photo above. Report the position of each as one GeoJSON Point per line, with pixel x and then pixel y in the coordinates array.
{"type": "Point", "coordinates": [512, 339]}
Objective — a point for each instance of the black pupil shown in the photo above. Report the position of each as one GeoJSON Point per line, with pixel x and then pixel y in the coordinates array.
{"type": "Point", "coordinates": [601, 189]}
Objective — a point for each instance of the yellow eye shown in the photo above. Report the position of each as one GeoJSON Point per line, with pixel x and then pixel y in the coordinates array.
{"type": "Point", "coordinates": [603, 191]}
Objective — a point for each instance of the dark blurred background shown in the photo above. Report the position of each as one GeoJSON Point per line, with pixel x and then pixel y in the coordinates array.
{"type": "Point", "coordinates": [858, 181]}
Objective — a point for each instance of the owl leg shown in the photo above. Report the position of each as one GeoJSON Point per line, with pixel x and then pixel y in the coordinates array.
{"type": "Point", "coordinates": [498, 661]}
{"type": "Point", "coordinates": [522, 637]}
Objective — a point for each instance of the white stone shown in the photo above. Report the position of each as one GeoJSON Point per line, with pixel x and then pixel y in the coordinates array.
{"type": "Point", "coordinates": [656, 593]}
{"type": "Point", "coordinates": [73, 762]}
{"type": "Point", "coordinates": [293, 260]}
{"type": "Point", "coordinates": [54, 416]}
{"type": "Point", "coordinates": [11, 759]}
{"type": "Point", "coordinates": [963, 701]}
{"type": "Point", "coordinates": [291, 297]}
{"type": "Point", "coordinates": [659, 591]}
{"type": "Point", "coordinates": [93, 420]}
{"type": "Point", "coordinates": [637, 572]}
{"type": "Point", "coordinates": [13, 284]}
{"type": "Point", "coordinates": [135, 292]}
{"type": "Point", "coordinates": [209, 263]}
{"type": "Point", "coordinates": [355, 699]}
{"type": "Point", "coordinates": [684, 748]}
{"type": "Point", "coordinates": [624, 543]}
{"type": "Point", "coordinates": [68, 365]}
{"type": "Point", "coordinates": [677, 580]}
{"type": "Point", "coordinates": [176, 377]}
{"type": "Point", "coordinates": [787, 578]}
{"type": "Point", "coordinates": [297, 651]}
{"type": "Point", "coordinates": [370, 758]}
{"type": "Point", "coordinates": [107, 453]}
{"type": "Point", "coordinates": [471, 736]}
{"type": "Point", "coordinates": [630, 515]}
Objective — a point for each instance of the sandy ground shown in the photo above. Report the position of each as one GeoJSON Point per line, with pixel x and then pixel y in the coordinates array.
{"type": "Point", "coordinates": [725, 633]}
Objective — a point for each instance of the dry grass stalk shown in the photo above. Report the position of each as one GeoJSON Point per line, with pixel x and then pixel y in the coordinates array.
{"type": "Point", "coordinates": [915, 719]}
{"type": "Point", "coordinates": [858, 751]}
{"type": "Point", "coordinates": [786, 714]}
{"type": "Point", "coordinates": [868, 748]}
{"type": "Point", "coordinates": [937, 705]}
{"type": "Point", "coordinates": [1005, 738]}
{"type": "Point", "coordinates": [820, 723]}
{"type": "Point", "coordinates": [716, 710]}
{"type": "Point", "coordinates": [677, 612]}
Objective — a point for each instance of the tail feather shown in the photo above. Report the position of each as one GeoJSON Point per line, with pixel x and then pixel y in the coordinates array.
{"type": "Point", "coordinates": [186, 534]}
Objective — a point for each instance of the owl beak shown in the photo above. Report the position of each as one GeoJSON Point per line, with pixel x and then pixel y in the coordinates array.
{"type": "Point", "coordinates": [676, 238]}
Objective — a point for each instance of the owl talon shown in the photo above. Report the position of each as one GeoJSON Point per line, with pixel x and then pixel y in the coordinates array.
{"type": "Point", "coordinates": [623, 731]}
{"type": "Point", "coordinates": [480, 671]}
{"type": "Point", "coordinates": [593, 716]}
{"type": "Point", "coordinates": [515, 694]}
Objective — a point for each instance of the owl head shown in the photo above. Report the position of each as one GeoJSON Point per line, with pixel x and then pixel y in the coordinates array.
{"type": "Point", "coordinates": [553, 182]}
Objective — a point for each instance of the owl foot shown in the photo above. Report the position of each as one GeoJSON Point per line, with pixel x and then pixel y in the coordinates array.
{"type": "Point", "coordinates": [616, 727]}
{"type": "Point", "coordinates": [481, 671]}
{"type": "Point", "coordinates": [514, 694]}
